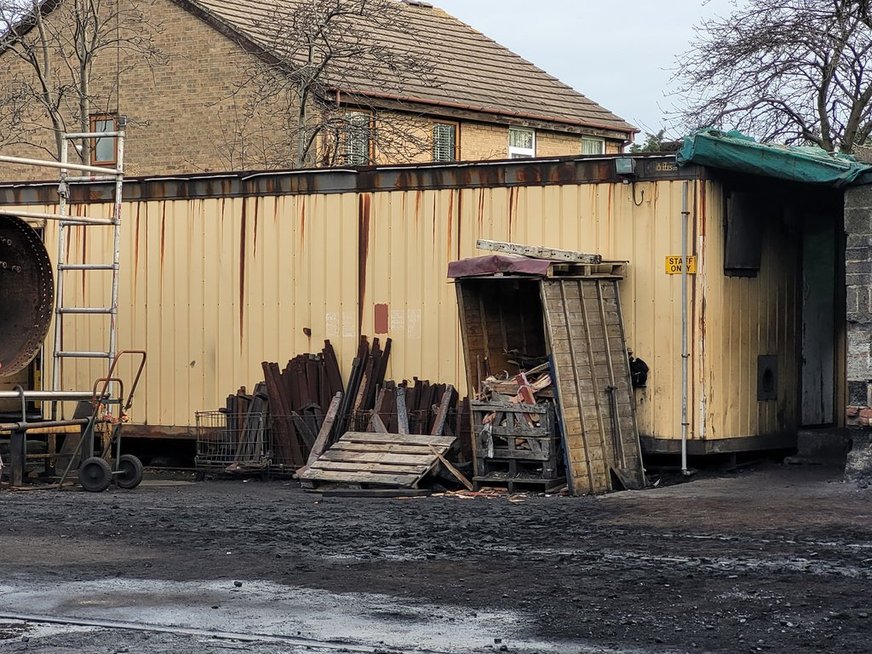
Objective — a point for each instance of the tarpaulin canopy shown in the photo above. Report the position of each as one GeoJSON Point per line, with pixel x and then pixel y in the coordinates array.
{"type": "Point", "coordinates": [737, 152]}
{"type": "Point", "coordinates": [498, 264]}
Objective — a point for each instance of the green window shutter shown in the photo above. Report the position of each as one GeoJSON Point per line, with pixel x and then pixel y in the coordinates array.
{"type": "Point", "coordinates": [444, 142]}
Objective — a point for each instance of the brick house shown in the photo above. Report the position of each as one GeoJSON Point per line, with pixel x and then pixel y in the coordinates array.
{"type": "Point", "coordinates": [194, 111]}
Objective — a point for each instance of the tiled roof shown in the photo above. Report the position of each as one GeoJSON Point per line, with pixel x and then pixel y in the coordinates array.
{"type": "Point", "coordinates": [471, 71]}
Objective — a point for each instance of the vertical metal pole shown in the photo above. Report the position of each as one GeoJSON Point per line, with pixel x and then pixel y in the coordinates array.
{"type": "Point", "coordinates": [63, 190]}
{"type": "Point", "coordinates": [685, 355]}
{"type": "Point", "coordinates": [16, 458]}
{"type": "Point", "coordinates": [116, 246]}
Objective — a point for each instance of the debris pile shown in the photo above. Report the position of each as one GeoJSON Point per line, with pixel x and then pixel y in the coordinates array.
{"type": "Point", "coordinates": [299, 412]}
{"type": "Point", "coordinates": [516, 434]}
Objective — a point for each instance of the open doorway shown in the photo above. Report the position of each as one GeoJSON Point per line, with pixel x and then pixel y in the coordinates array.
{"type": "Point", "coordinates": [819, 321]}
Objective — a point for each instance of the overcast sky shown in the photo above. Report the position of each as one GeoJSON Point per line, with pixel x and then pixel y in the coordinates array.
{"type": "Point", "coordinates": [618, 54]}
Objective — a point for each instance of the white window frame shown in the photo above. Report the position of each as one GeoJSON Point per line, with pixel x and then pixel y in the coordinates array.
{"type": "Point", "coordinates": [438, 148]}
{"type": "Point", "coordinates": [104, 123]}
{"type": "Point", "coordinates": [593, 145]}
{"type": "Point", "coordinates": [518, 152]}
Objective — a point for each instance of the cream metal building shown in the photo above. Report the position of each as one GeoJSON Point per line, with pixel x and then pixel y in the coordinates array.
{"type": "Point", "coordinates": [222, 272]}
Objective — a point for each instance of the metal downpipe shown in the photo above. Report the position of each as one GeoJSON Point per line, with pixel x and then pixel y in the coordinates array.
{"type": "Point", "coordinates": [685, 355]}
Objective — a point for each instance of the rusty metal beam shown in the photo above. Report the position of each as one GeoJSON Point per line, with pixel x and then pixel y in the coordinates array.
{"type": "Point", "coordinates": [485, 174]}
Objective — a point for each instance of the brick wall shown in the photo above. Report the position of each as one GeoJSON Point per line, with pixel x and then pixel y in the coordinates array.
{"type": "Point", "coordinates": [188, 114]}
{"type": "Point", "coordinates": [858, 280]}
{"type": "Point", "coordinates": [480, 141]}
{"type": "Point", "coordinates": [185, 114]}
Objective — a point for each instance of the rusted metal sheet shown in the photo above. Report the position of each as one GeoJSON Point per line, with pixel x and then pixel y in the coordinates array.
{"type": "Point", "coordinates": [559, 171]}
{"type": "Point", "coordinates": [213, 286]}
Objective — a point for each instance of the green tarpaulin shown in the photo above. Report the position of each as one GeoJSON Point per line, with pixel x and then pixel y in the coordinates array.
{"type": "Point", "coordinates": [737, 152]}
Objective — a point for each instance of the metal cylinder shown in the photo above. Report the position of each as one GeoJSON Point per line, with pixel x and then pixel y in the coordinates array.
{"type": "Point", "coordinates": [27, 292]}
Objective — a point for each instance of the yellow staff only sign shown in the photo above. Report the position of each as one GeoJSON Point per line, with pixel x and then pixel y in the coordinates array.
{"type": "Point", "coordinates": [673, 265]}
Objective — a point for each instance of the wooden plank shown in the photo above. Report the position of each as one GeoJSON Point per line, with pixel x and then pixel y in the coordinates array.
{"type": "Point", "coordinates": [538, 252]}
{"type": "Point", "coordinates": [508, 407]}
{"type": "Point", "coordinates": [326, 427]}
{"type": "Point", "coordinates": [518, 455]}
{"type": "Point", "coordinates": [399, 439]}
{"type": "Point", "coordinates": [382, 468]}
{"type": "Point", "coordinates": [442, 414]}
{"type": "Point", "coordinates": [402, 411]}
{"type": "Point", "coordinates": [377, 425]}
{"type": "Point", "coordinates": [454, 471]}
{"type": "Point", "coordinates": [377, 457]}
{"type": "Point", "coordinates": [360, 478]}
{"type": "Point", "coordinates": [385, 448]}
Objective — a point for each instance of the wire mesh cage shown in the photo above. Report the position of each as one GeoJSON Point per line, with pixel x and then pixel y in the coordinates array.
{"type": "Point", "coordinates": [227, 440]}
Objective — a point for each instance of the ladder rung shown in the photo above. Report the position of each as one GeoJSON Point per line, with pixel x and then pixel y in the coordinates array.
{"type": "Point", "coordinates": [92, 178]}
{"type": "Point", "coordinates": [100, 222]}
{"type": "Point", "coordinates": [82, 355]}
{"type": "Point", "coordinates": [86, 266]}
{"type": "Point", "coordinates": [85, 310]}
{"type": "Point", "coordinates": [72, 222]}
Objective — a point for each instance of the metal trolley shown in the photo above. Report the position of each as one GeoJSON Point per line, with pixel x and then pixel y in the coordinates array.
{"type": "Point", "coordinates": [228, 442]}
{"type": "Point", "coordinates": [101, 417]}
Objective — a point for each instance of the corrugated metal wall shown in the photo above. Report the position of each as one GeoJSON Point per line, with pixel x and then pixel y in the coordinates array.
{"type": "Point", "coordinates": [212, 287]}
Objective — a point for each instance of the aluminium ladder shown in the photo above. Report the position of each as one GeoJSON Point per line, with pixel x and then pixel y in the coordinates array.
{"type": "Point", "coordinates": [62, 310]}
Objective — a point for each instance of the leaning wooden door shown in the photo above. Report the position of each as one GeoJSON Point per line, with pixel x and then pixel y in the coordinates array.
{"type": "Point", "coordinates": [585, 333]}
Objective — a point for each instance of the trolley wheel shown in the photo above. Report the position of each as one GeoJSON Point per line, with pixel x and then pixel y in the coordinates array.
{"type": "Point", "coordinates": [95, 475]}
{"type": "Point", "coordinates": [129, 471]}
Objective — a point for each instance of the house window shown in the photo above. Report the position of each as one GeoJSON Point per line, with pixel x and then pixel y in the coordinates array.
{"type": "Point", "coordinates": [522, 143]}
{"type": "Point", "coordinates": [592, 145]}
{"type": "Point", "coordinates": [445, 142]}
{"type": "Point", "coordinates": [104, 151]}
{"type": "Point", "coordinates": [358, 138]}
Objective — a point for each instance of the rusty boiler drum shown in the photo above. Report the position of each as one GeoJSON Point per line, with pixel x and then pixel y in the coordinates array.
{"type": "Point", "coordinates": [26, 294]}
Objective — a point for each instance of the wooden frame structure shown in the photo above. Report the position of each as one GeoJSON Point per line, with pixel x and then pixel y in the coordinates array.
{"type": "Point", "coordinates": [575, 319]}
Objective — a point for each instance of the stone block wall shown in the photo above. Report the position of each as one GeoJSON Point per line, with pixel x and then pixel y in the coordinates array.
{"type": "Point", "coordinates": [858, 281]}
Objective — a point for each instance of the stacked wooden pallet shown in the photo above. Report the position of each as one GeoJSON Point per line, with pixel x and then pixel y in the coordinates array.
{"type": "Point", "coordinates": [378, 459]}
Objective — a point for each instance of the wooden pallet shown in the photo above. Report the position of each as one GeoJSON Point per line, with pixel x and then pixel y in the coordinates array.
{"type": "Point", "coordinates": [371, 459]}
{"type": "Point", "coordinates": [520, 484]}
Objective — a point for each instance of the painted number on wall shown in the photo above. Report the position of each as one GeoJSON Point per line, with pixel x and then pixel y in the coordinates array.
{"type": "Point", "coordinates": [673, 265]}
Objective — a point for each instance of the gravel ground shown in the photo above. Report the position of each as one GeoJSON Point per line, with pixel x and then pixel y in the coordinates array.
{"type": "Point", "coordinates": [774, 559]}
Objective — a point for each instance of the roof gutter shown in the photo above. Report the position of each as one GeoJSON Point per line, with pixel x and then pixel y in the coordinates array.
{"type": "Point", "coordinates": [485, 109]}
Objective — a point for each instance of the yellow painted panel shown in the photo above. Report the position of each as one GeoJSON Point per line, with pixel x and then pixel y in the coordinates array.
{"type": "Point", "coordinates": [213, 287]}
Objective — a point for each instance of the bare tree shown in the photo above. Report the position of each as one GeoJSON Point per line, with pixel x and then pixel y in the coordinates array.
{"type": "Point", "coordinates": [793, 71]}
{"type": "Point", "coordinates": [323, 64]}
{"type": "Point", "coordinates": [60, 44]}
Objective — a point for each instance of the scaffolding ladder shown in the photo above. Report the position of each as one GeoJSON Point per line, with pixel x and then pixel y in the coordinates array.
{"type": "Point", "coordinates": [66, 221]}
{"type": "Point", "coordinates": [62, 309]}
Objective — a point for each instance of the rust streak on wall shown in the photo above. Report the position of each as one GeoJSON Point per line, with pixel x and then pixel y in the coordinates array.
{"type": "Point", "coordinates": [459, 220]}
{"type": "Point", "coordinates": [242, 232]}
{"type": "Point", "coordinates": [163, 225]}
{"type": "Point", "coordinates": [137, 222]}
{"type": "Point", "coordinates": [450, 231]}
{"type": "Point", "coordinates": [513, 198]}
{"type": "Point", "coordinates": [364, 212]}
{"type": "Point", "coordinates": [254, 227]}
{"type": "Point", "coordinates": [480, 215]}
